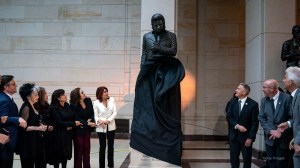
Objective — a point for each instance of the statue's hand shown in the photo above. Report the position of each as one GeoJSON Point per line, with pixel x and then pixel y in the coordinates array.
{"type": "Point", "coordinates": [155, 47]}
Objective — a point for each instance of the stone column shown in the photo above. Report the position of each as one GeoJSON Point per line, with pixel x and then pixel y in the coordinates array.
{"type": "Point", "coordinates": [268, 24]}
{"type": "Point", "coordinates": [168, 9]}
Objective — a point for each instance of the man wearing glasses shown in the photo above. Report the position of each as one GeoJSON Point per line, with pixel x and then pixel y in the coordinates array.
{"type": "Point", "coordinates": [9, 108]}
{"type": "Point", "coordinates": [274, 110]}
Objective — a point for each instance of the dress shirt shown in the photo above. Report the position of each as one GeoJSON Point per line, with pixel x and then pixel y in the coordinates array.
{"type": "Point", "coordinates": [242, 105]}
{"type": "Point", "coordinates": [275, 98]}
{"type": "Point", "coordinates": [243, 102]}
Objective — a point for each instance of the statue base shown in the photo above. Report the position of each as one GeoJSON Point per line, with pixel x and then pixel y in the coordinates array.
{"type": "Point", "coordinates": [140, 160]}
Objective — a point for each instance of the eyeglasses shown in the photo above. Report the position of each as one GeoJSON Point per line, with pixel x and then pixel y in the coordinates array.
{"type": "Point", "coordinates": [264, 87]}
{"type": "Point", "coordinates": [14, 84]}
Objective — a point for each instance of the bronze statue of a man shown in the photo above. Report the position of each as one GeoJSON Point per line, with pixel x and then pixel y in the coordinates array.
{"type": "Point", "coordinates": [156, 125]}
{"type": "Point", "coordinates": [159, 42]}
{"type": "Point", "coordinates": [290, 49]}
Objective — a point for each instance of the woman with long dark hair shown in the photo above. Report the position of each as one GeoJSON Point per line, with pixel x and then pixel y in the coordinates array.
{"type": "Point", "coordinates": [82, 106]}
{"type": "Point", "coordinates": [63, 120]}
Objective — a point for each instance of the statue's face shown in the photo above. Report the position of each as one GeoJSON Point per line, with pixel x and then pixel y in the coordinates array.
{"type": "Point", "coordinates": [158, 26]}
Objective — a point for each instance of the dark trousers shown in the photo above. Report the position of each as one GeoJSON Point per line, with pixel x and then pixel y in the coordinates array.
{"type": "Point", "coordinates": [276, 156]}
{"type": "Point", "coordinates": [110, 136]}
{"type": "Point", "coordinates": [82, 148]}
{"type": "Point", "coordinates": [235, 148]}
{"type": "Point", "coordinates": [6, 156]}
{"type": "Point", "coordinates": [63, 164]}
{"type": "Point", "coordinates": [31, 163]}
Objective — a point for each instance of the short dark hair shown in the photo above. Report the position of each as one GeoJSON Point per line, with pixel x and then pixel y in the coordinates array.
{"type": "Point", "coordinates": [157, 17]}
{"type": "Point", "coordinates": [26, 89]}
{"type": "Point", "coordinates": [5, 81]}
{"type": "Point", "coordinates": [246, 87]}
{"type": "Point", "coordinates": [99, 92]}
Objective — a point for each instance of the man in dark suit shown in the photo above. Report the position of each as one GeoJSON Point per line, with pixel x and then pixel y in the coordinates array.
{"type": "Point", "coordinates": [292, 83]}
{"type": "Point", "coordinates": [4, 138]}
{"type": "Point", "coordinates": [243, 125]}
{"type": "Point", "coordinates": [274, 110]}
{"type": "Point", "coordinates": [9, 108]}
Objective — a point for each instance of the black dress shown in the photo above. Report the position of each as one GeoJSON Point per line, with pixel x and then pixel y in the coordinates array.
{"type": "Point", "coordinates": [60, 148]}
{"type": "Point", "coordinates": [30, 143]}
{"type": "Point", "coordinates": [45, 119]}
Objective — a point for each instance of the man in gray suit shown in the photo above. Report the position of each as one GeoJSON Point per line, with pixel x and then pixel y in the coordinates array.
{"type": "Point", "coordinates": [274, 110]}
{"type": "Point", "coordinates": [292, 83]}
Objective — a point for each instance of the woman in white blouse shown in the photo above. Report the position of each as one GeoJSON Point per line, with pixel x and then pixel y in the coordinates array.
{"type": "Point", "coordinates": [105, 113]}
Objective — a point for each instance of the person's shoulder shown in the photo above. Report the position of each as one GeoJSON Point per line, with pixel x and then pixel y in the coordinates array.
{"type": "Point", "coordinates": [88, 99]}
{"type": "Point", "coordinates": [148, 34]}
{"type": "Point", "coordinates": [264, 98]}
{"type": "Point", "coordinates": [250, 100]}
{"type": "Point", "coordinates": [284, 95]}
{"type": "Point", "coordinates": [233, 99]}
{"type": "Point", "coordinates": [288, 42]}
{"type": "Point", "coordinates": [111, 99]}
{"type": "Point", "coordinates": [96, 102]}
{"type": "Point", "coordinates": [3, 95]}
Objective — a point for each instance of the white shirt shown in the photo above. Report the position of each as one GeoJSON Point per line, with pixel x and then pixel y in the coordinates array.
{"type": "Point", "coordinates": [275, 98]}
{"type": "Point", "coordinates": [243, 102]}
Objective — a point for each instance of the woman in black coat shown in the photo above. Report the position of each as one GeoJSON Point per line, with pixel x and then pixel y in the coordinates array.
{"type": "Point", "coordinates": [63, 121]}
{"type": "Point", "coordinates": [82, 106]}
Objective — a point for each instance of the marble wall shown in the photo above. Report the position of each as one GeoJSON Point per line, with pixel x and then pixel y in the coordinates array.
{"type": "Point", "coordinates": [70, 43]}
{"type": "Point", "coordinates": [219, 62]}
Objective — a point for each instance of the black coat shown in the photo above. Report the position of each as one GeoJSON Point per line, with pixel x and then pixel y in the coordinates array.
{"type": "Point", "coordinates": [156, 126]}
{"type": "Point", "coordinates": [61, 138]}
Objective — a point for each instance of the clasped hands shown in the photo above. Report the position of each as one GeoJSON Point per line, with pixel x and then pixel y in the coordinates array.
{"type": "Point", "coordinates": [77, 123]}
{"type": "Point", "coordinates": [103, 123]}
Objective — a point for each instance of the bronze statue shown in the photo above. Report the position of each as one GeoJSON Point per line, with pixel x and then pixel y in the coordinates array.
{"type": "Point", "coordinates": [156, 125]}
{"type": "Point", "coordinates": [290, 49]}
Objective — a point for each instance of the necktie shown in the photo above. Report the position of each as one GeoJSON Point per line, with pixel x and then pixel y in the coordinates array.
{"type": "Point", "coordinates": [272, 105]}
{"type": "Point", "coordinates": [240, 106]}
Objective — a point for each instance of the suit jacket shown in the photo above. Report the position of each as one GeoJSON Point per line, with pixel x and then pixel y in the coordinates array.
{"type": "Point", "coordinates": [269, 120]}
{"type": "Point", "coordinates": [10, 109]}
{"type": "Point", "coordinates": [295, 110]}
{"type": "Point", "coordinates": [166, 41]}
{"type": "Point", "coordinates": [248, 118]}
{"type": "Point", "coordinates": [289, 54]}
{"type": "Point", "coordinates": [103, 113]}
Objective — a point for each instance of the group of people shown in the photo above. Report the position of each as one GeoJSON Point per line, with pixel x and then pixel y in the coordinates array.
{"type": "Point", "coordinates": [43, 133]}
{"type": "Point", "coordinates": [279, 116]}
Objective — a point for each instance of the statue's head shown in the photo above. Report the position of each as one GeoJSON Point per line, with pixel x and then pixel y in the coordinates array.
{"type": "Point", "coordinates": [296, 30]}
{"type": "Point", "coordinates": [158, 23]}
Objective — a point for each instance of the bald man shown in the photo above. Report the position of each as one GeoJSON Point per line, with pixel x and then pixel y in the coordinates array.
{"type": "Point", "coordinates": [274, 110]}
